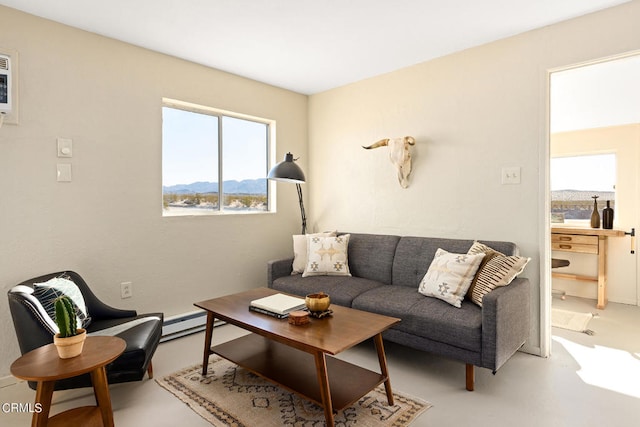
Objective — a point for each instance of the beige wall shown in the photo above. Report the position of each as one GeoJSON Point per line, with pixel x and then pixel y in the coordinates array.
{"type": "Point", "coordinates": [107, 223]}
{"type": "Point", "coordinates": [624, 141]}
{"type": "Point", "coordinates": [472, 113]}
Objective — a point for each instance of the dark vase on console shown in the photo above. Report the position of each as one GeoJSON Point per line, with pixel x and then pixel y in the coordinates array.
{"type": "Point", "coordinates": [607, 217]}
{"type": "Point", "coordinates": [595, 215]}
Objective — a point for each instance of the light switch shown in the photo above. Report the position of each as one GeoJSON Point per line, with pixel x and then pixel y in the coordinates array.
{"type": "Point", "coordinates": [64, 172]}
{"type": "Point", "coordinates": [65, 147]}
{"type": "Point", "coordinates": [511, 175]}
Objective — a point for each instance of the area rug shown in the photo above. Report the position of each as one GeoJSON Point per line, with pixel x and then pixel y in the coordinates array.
{"type": "Point", "coordinates": [231, 396]}
{"type": "Point", "coordinates": [572, 320]}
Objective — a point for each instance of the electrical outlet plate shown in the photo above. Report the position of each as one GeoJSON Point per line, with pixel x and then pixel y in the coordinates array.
{"type": "Point", "coordinates": [63, 171]}
{"type": "Point", "coordinates": [126, 290]}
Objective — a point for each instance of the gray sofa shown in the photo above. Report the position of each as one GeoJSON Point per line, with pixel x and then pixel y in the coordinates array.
{"type": "Point", "coordinates": [386, 272]}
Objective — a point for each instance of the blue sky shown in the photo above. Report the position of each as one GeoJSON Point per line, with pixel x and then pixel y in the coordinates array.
{"type": "Point", "coordinates": [190, 153]}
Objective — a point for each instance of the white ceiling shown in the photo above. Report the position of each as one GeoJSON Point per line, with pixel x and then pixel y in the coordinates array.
{"type": "Point", "coordinates": [308, 46]}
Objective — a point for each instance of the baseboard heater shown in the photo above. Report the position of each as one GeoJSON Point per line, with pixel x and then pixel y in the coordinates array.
{"type": "Point", "coordinates": [185, 324]}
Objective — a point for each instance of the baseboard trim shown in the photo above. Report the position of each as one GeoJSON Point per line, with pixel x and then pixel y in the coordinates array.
{"type": "Point", "coordinates": [8, 381]}
{"type": "Point", "coordinates": [536, 351]}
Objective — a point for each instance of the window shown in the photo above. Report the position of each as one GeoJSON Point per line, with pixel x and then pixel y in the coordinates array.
{"type": "Point", "coordinates": [213, 161]}
{"type": "Point", "coordinates": [574, 182]}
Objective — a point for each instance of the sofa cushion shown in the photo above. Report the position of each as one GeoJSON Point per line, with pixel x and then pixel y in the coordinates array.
{"type": "Point", "coordinates": [371, 256]}
{"type": "Point", "coordinates": [341, 289]}
{"type": "Point", "coordinates": [426, 317]}
{"type": "Point", "coordinates": [414, 255]}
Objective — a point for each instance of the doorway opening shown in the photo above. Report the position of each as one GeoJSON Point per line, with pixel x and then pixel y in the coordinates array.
{"type": "Point", "coordinates": [594, 150]}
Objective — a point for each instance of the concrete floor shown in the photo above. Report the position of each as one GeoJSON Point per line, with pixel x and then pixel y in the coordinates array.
{"type": "Point", "coordinates": [588, 381]}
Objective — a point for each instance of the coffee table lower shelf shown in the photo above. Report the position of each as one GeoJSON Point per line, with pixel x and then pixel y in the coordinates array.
{"type": "Point", "coordinates": [295, 370]}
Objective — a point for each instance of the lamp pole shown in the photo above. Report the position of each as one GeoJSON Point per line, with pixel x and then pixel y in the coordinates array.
{"type": "Point", "coordinates": [304, 216]}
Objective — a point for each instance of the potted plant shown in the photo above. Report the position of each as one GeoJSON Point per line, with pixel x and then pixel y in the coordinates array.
{"type": "Point", "coordinates": [70, 340]}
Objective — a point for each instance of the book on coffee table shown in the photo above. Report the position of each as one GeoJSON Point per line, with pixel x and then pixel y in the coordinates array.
{"type": "Point", "coordinates": [279, 304]}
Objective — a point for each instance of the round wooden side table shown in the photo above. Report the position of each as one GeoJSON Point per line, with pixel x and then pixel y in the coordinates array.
{"type": "Point", "coordinates": [45, 367]}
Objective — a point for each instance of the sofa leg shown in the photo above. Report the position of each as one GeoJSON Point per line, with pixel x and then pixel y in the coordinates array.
{"type": "Point", "coordinates": [470, 377]}
{"type": "Point", "coordinates": [150, 370]}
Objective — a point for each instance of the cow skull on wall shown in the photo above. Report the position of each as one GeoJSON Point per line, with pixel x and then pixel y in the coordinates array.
{"type": "Point", "coordinates": [399, 154]}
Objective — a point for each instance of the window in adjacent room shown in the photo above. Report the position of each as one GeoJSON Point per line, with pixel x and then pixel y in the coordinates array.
{"type": "Point", "coordinates": [213, 161]}
{"type": "Point", "coordinates": [575, 180]}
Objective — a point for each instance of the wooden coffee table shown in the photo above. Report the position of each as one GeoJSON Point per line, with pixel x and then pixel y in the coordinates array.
{"type": "Point", "coordinates": [298, 358]}
{"type": "Point", "coordinates": [44, 366]}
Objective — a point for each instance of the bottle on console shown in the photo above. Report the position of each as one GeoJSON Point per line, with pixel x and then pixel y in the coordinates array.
{"type": "Point", "coordinates": [607, 217]}
{"type": "Point", "coordinates": [595, 215]}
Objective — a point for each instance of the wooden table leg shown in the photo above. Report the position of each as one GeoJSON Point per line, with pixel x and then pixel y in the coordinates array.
{"type": "Point", "coordinates": [207, 342]}
{"type": "Point", "coordinates": [150, 370]}
{"type": "Point", "coordinates": [602, 272]}
{"type": "Point", "coordinates": [325, 392]}
{"type": "Point", "coordinates": [44, 392]}
{"type": "Point", "coordinates": [382, 359]}
{"type": "Point", "coordinates": [103, 398]}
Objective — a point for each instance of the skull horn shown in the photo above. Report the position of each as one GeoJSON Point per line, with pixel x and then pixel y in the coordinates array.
{"type": "Point", "coordinates": [381, 143]}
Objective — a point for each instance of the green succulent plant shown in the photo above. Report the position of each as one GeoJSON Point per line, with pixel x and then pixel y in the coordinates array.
{"type": "Point", "coordinates": [66, 317]}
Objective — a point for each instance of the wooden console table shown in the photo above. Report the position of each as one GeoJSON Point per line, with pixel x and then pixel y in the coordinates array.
{"type": "Point", "coordinates": [587, 241]}
{"type": "Point", "coordinates": [44, 366]}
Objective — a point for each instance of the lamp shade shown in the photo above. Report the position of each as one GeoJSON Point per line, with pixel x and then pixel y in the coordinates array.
{"type": "Point", "coordinates": [287, 171]}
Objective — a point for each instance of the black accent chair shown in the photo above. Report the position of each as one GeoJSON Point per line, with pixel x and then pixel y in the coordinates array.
{"type": "Point", "coordinates": [141, 332]}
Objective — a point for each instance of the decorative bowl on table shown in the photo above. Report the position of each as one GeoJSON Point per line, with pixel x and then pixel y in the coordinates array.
{"type": "Point", "coordinates": [317, 302]}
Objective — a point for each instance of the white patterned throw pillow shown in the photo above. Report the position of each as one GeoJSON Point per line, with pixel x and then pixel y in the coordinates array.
{"type": "Point", "coordinates": [300, 250]}
{"type": "Point", "coordinates": [449, 276]}
{"type": "Point", "coordinates": [327, 256]}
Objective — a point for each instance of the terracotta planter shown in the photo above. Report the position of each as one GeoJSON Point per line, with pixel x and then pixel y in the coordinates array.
{"type": "Point", "coordinates": [71, 346]}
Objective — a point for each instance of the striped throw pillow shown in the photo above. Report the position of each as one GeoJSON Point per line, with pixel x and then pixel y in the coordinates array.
{"type": "Point", "coordinates": [497, 269]}
{"type": "Point", "coordinates": [49, 291]}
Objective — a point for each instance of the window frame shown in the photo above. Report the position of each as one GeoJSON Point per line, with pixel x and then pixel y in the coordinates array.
{"type": "Point", "coordinates": [220, 114]}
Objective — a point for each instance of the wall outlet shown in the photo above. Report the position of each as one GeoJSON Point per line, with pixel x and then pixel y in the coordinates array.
{"type": "Point", "coordinates": [126, 290]}
{"type": "Point", "coordinates": [63, 172]}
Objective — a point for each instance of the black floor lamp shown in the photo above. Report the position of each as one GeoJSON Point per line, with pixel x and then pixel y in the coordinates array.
{"type": "Point", "coordinates": [288, 171]}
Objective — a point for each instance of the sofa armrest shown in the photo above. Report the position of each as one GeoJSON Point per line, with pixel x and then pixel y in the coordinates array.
{"type": "Point", "coordinates": [278, 268]}
{"type": "Point", "coordinates": [505, 322]}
